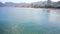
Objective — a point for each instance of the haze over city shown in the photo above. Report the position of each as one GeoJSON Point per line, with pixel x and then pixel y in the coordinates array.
{"type": "Point", "coordinates": [26, 1]}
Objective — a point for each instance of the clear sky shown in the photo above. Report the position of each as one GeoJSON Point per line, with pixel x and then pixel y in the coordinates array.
{"type": "Point", "coordinates": [21, 1]}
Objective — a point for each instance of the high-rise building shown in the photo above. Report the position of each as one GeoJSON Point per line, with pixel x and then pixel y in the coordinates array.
{"type": "Point", "coordinates": [48, 2]}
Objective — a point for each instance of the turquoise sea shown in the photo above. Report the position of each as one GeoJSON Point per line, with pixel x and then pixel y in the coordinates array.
{"type": "Point", "coordinates": [29, 21]}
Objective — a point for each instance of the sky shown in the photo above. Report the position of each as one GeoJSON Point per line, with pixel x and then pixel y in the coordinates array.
{"type": "Point", "coordinates": [26, 1]}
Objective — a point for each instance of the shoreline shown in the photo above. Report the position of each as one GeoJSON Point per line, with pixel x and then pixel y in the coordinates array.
{"type": "Point", "coordinates": [33, 8]}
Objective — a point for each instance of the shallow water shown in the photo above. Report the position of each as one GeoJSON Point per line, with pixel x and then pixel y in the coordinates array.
{"type": "Point", "coordinates": [29, 21]}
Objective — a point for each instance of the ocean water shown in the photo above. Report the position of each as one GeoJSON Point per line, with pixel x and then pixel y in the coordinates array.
{"type": "Point", "coordinates": [29, 21]}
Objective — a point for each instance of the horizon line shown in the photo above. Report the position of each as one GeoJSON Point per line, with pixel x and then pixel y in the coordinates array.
{"type": "Point", "coordinates": [27, 2]}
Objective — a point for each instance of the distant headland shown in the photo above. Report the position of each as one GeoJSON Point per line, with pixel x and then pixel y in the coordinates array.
{"type": "Point", "coordinates": [40, 4]}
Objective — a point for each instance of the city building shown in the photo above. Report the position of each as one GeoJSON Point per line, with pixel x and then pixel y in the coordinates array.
{"type": "Point", "coordinates": [56, 4]}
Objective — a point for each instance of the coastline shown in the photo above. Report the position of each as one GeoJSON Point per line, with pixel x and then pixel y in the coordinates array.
{"type": "Point", "coordinates": [34, 8]}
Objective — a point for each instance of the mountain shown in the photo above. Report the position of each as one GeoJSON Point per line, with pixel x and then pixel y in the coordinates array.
{"type": "Point", "coordinates": [1, 4]}
{"type": "Point", "coordinates": [40, 3]}
{"type": "Point", "coordinates": [34, 4]}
